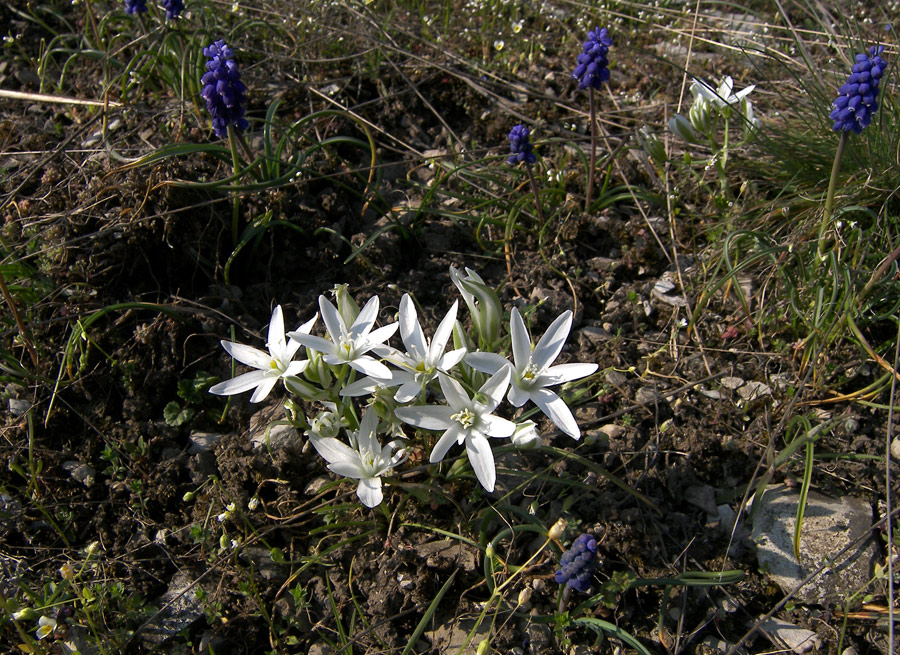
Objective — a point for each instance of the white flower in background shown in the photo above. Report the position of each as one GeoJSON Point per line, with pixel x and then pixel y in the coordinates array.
{"type": "Point", "coordinates": [46, 627]}
{"type": "Point", "coordinates": [326, 423]}
{"type": "Point", "coordinates": [723, 96]}
{"type": "Point", "coordinates": [526, 435]}
{"type": "Point", "coordinates": [466, 421]}
{"type": "Point", "coordinates": [230, 509]}
{"type": "Point", "coordinates": [422, 359]}
{"type": "Point", "coordinates": [271, 367]}
{"type": "Point", "coordinates": [349, 345]}
{"type": "Point", "coordinates": [365, 460]}
{"type": "Point", "coordinates": [532, 372]}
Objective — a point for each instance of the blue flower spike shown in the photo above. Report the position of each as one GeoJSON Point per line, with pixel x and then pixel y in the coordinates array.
{"type": "Point", "coordinates": [135, 7]}
{"type": "Point", "coordinates": [577, 565]}
{"type": "Point", "coordinates": [857, 98]}
{"type": "Point", "coordinates": [592, 68]}
{"type": "Point", "coordinates": [520, 146]}
{"type": "Point", "coordinates": [223, 89]}
{"type": "Point", "coordinates": [173, 8]}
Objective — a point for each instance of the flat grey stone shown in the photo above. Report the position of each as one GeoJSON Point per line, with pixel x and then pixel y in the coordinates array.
{"type": "Point", "coordinates": [450, 637]}
{"type": "Point", "coordinates": [783, 634]}
{"type": "Point", "coordinates": [829, 525]}
{"type": "Point", "coordinates": [184, 609]}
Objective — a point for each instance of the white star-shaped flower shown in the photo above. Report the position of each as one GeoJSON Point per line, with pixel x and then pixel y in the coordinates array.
{"type": "Point", "coordinates": [272, 366]}
{"type": "Point", "coordinates": [421, 361]}
{"type": "Point", "coordinates": [722, 96]}
{"type": "Point", "coordinates": [466, 421]}
{"type": "Point", "coordinates": [349, 345]}
{"type": "Point", "coordinates": [532, 372]}
{"type": "Point", "coordinates": [367, 460]}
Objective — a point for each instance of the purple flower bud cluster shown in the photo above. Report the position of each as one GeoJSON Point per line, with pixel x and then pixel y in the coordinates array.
{"type": "Point", "coordinates": [173, 8]}
{"type": "Point", "coordinates": [223, 89]}
{"type": "Point", "coordinates": [135, 6]}
{"type": "Point", "coordinates": [857, 99]}
{"type": "Point", "coordinates": [520, 146]}
{"type": "Point", "coordinates": [577, 565]}
{"type": "Point", "coordinates": [593, 66]}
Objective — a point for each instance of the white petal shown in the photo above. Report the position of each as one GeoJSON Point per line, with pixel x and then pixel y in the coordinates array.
{"type": "Point", "coordinates": [497, 427]}
{"type": "Point", "coordinates": [369, 366]}
{"type": "Point", "coordinates": [521, 340]}
{"type": "Point", "coordinates": [453, 434]}
{"type": "Point", "coordinates": [454, 394]}
{"type": "Point", "coordinates": [380, 335]}
{"type": "Point", "coordinates": [349, 469]}
{"type": "Point", "coordinates": [365, 320]}
{"type": "Point", "coordinates": [557, 410]}
{"type": "Point", "coordinates": [742, 93]}
{"type": "Point", "coordinates": [312, 342]}
{"type": "Point", "coordinates": [295, 368]}
{"type": "Point", "coordinates": [408, 391]}
{"type": "Point", "coordinates": [276, 330]}
{"type": "Point", "coordinates": [366, 438]}
{"type": "Point", "coordinates": [410, 330]}
{"type": "Point", "coordinates": [332, 450]}
{"type": "Point", "coordinates": [364, 387]}
{"type": "Point", "coordinates": [517, 395]}
{"type": "Point", "coordinates": [334, 323]}
{"type": "Point", "coordinates": [565, 373]}
{"type": "Point", "coordinates": [495, 388]}
{"type": "Point", "coordinates": [486, 362]}
{"type": "Point", "coordinates": [427, 417]}
{"type": "Point", "coordinates": [482, 460]}
{"type": "Point", "coordinates": [240, 384]}
{"type": "Point", "coordinates": [263, 389]}
{"type": "Point", "coordinates": [550, 345]}
{"type": "Point", "coordinates": [247, 355]}
{"type": "Point", "coordinates": [369, 492]}
{"type": "Point", "coordinates": [442, 336]}
{"type": "Point", "coordinates": [451, 359]}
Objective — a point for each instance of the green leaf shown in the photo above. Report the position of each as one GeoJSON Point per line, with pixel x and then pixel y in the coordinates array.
{"type": "Point", "coordinates": [176, 415]}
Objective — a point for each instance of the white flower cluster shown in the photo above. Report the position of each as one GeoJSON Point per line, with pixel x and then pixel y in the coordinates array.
{"type": "Point", "coordinates": [455, 392]}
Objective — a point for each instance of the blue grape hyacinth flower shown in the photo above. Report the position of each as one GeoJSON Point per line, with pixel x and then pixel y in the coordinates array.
{"type": "Point", "coordinates": [520, 146]}
{"type": "Point", "coordinates": [593, 66]}
{"type": "Point", "coordinates": [135, 6]}
{"type": "Point", "coordinates": [223, 89]}
{"type": "Point", "coordinates": [173, 8]}
{"type": "Point", "coordinates": [857, 98]}
{"type": "Point", "coordinates": [577, 565]}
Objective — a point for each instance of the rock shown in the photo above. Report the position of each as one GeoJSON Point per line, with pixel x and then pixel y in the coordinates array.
{"type": "Point", "coordinates": [450, 637]}
{"type": "Point", "coordinates": [829, 525]}
{"type": "Point", "coordinates": [179, 608]}
{"type": "Point", "coordinates": [448, 554]}
{"type": "Point", "coordinates": [18, 406]}
{"type": "Point", "coordinates": [895, 448]}
{"type": "Point", "coordinates": [266, 431]}
{"type": "Point", "coordinates": [787, 635]}
{"type": "Point", "coordinates": [203, 441]}
{"type": "Point", "coordinates": [753, 390]}
{"type": "Point", "coordinates": [715, 644]}
{"type": "Point", "coordinates": [702, 496]}
{"type": "Point", "coordinates": [83, 473]}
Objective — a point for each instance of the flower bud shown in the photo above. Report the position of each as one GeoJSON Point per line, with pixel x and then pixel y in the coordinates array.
{"type": "Point", "coordinates": [526, 435]}
{"type": "Point", "coordinates": [700, 115]}
{"type": "Point", "coordinates": [346, 305]}
{"type": "Point", "coordinates": [558, 530]}
{"type": "Point", "coordinates": [652, 146]}
{"type": "Point", "coordinates": [682, 128]}
{"type": "Point", "coordinates": [484, 305]}
{"type": "Point", "coordinates": [189, 496]}
{"type": "Point", "coordinates": [484, 647]}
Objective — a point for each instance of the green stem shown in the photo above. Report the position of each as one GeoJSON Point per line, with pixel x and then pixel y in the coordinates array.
{"type": "Point", "coordinates": [590, 182]}
{"type": "Point", "coordinates": [829, 197]}
{"type": "Point", "coordinates": [233, 138]}
{"type": "Point", "coordinates": [534, 191]}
